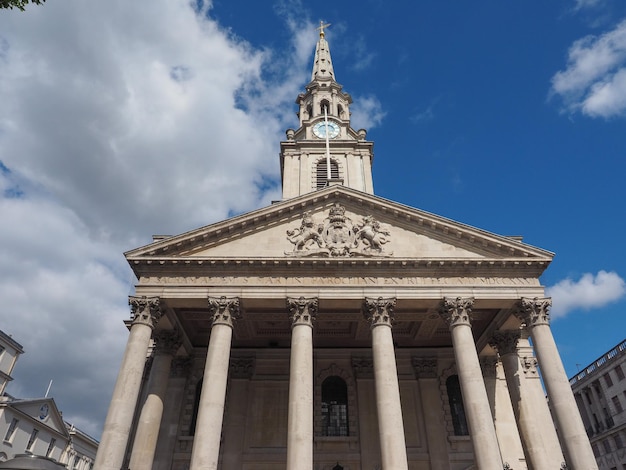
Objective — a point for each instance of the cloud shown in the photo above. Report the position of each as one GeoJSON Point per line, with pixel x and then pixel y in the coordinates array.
{"type": "Point", "coordinates": [588, 292]}
{"type": "Point", "coordinates": [367, 112]}
{"type": "Point", "coordinates": [594, 81]}
{"type": "Point", "coordinates": [581, 4]}
{"type": "Point", "coordinates": [120, 120]}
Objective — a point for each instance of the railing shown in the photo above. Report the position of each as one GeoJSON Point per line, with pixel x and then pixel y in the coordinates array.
{"type": "Point", "coordinates": [616, 351]}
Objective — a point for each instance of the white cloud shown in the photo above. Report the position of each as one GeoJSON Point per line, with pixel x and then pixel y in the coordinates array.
{"type": "Point", "coordinates": [588, 292]}
{"type": "Point", "coordinates": [594, 80]}
{"type": "Point", "coordinates": [580, 4]}
{"type": "Point", "coordinates": [367, 112]}
{"type": "Point", "coordinates": [120, 120]}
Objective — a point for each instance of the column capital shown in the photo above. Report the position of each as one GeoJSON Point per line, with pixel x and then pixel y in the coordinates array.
{"type": "Point", "coordinates": [167, 342]}
{"type": "Point", "coordinates": [363, 367]}
{"type": "Point", "coordinates": [457, 311]}
{"type": "Point", "coordinates": [224, 310]}
{"type": "Point", "coordinates": [379, 311]}
{"type": "Point", "coordinates": [145, 310]}
{"type": "Point", "coordinates": [424, 367]}
{"type": "Point", "coordinates": [505, 342]}
{"type": "Point", "coordinates": [302, 311]}
{"type": "Point", "coordinates": [241, 367]}
{"type": "Point", "coordinates": [534, 312]}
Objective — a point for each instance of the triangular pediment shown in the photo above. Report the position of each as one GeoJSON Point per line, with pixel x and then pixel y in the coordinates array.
{"type": "Point", "coordinates": [43, 412]}
{"type": "Point", "coordinates": [341, 223]}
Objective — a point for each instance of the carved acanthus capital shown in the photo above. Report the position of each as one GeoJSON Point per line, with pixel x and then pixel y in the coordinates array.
{"type": "Point", "coordinates": [224, 310]}
{"type": "Point", "coordinates": [302, 311]}
{"type": "Point", "coordinates": [145, 310]}
{"type": "Point", "coordinates": [167, 342]}
{"type": "Point", "coordinates": [457, 311]}
{"type": "Point", "coordinates": [363, 367]}
{"type": "Point", "coordinates": [379, 311]}
{"type": "Point", "coordinates": [241, 367]}
{"type": "Point", "coordinates": [424, 367]}
{"type": "Point", "coordinates": [534, 312]}
{"type": "Point", "coordinates": [488, 366]}
{"type": "Point", "coordinates": [505, 342]}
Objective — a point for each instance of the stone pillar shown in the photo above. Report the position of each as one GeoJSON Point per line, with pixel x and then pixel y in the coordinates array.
{"type": "Point", "coordinates": [574, 441]}
{"type": "Point", "coordinates": [505, 342]}
{"type": "Point", "coordinates": [145, 314]}
{"type": "Point", "coordinates": [457, 312]}
{"type": "Point", "coordinates": [426, 372]}
{"type": "Point", "coordinates": [206, 443]}
{"type": "Point", "coordinates": [300, 418]}
{"type": "Point", "coordinates": [379, 312]}
{"type": "Point", "coordinates": [142, 457]}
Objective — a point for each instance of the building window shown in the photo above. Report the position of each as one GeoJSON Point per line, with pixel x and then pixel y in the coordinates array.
{"type": "Point", "coordinates": [53, 441]}
{"type": "Point", "coordinates": [322, 173]}
{"type": "Point", "coordinates": [334, 407]}
{"type": "Point", "coordinates": [76, 462]}
{"type": "Point", "coordinates": [618, 441]}
{"type": "Point", "coordinates": [457, 411]}
{"type": "Point", "coordinates": [11, 430]}
{"type": "Point", "coordinates": [588, 396]}
{"type": "Point", "coordinates": [31, 441]}
{"type": "Point", "coordinates": [596, 450]}
{"type": "Point", "coordinates": [617, 404]}
{"type": "Point", "coordinates": [607, 446]}
{"type": "Point", "coordinates": [608, 380]}
{"type": "Point", "coordinates": [324, 105]}
{"type": "Point", "coordinates": [620, 372]}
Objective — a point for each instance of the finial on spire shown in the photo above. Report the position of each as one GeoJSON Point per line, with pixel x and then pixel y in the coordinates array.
{"type": "Point", "coordinates": [321, 28]}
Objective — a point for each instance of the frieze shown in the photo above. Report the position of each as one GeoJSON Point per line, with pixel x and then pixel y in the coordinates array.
{"type": "Point", "coordinates": [338, 236]}
{"type": "Point", "coordinates": [349, 280]}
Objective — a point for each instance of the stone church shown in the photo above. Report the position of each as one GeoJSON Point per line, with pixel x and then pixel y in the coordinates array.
{"type": "Point", "coordinates": [338, 330]}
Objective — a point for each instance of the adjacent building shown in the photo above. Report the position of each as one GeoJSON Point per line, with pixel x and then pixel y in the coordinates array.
{"type": "Point", "coordinates": [35, 426]}
{"type": "Point", "coordinates": [600, 391]}
{"type": "Point", "coordinates": [337, 330]}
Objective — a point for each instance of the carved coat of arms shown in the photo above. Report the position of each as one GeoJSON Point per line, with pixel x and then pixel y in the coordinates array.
{"type": "Point", "coordinates": [338, 236]}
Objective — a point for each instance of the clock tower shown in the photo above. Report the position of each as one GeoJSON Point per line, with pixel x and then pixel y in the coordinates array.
{"type": "Point", "coordinates": [325, 149]}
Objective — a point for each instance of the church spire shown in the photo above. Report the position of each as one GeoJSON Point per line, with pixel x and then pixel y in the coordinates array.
{"type": "Point", "coordinates": [323, 65]}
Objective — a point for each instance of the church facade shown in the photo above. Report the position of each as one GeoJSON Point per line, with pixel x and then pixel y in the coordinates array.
{"type": "Point", "coordinates": [337, 330]}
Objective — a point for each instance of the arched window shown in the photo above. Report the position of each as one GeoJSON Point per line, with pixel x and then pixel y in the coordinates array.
{"type": "Point", "coordinates": [322, 173]}
{"type": "Point", "coordinates": [324, 104]}
{"type": "Point", "coordinates": [456, 406]}
{"type": "Point", "coordinates": [340, 111]}
{"type": "Point", "coordinates": [334, 407]}
{"type": "Point", "coordinates": [309, 111]}
{"type": "Point", "coordinates": [196, 405]}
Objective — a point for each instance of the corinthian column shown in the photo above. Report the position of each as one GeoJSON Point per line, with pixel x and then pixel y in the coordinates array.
{"type": "Point", "coordinates": [300, 419]}
{"type": "Point", "coordinates": [457, 314]}
{"type": "Point", "coordinates": [574, 441]}
{"type": "Point", "coordinates": [206, 443]}
{"type": "Point", "coordinates": [166, 343]}
{"type": "Point", "coordinates": [379, 312]}
{"type": "Point", "coordinates": [505, 342]}
{"type": "Point", "coordinates": [145, 314]}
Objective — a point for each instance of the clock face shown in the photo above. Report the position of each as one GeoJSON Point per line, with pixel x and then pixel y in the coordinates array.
{"type": "Point", "coordinates": [321, 129]}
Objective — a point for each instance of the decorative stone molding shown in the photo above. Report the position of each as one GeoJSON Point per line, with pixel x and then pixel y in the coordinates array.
{"type": "Point", "coordinates": [167, 342]}
{"type": "Point", "coordinates": [379, 311]}
{"type": "Point", "coordinates": [224, 310]}
{"type": "Point", "coordinates": [456, 311]}
{"type": "Point", "coordinates": [424, 367]}
{"type": "Point", "coordinates": [241, 367]}
{"type": "Point", "coordinates": [338, 236]}
{"type": "Point", "coordinates": [302, 311]}
{"type": "Point", "coordinates": [363, 367]}
{"type": "Point", "coordinates": [145, 310]}
{"type": "Point", "coordinates": [534, 312]}
{"type": "Point", "coordinates": [488, 365]}
{"type": "Point", "coordinates": [505, 342]}
{"type": "Point", "coordinates": [529, 364]}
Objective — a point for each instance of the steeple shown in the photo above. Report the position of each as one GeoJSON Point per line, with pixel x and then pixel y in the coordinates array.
{"type": "Point", "coordinates": [324, 149]}
{"type": "Point", "coordinates": [323, 65]}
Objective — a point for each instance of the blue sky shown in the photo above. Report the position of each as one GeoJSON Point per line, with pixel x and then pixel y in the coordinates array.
{"type": "Point", "coordinates": [121, 120]}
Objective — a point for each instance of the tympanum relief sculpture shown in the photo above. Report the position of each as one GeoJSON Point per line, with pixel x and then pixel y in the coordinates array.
{"type": "Point", "coordinates": [339, 236]}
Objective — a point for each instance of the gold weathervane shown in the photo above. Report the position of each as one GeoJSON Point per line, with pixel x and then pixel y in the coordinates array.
{"type": "Point", "coordinates": [321, 28]}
